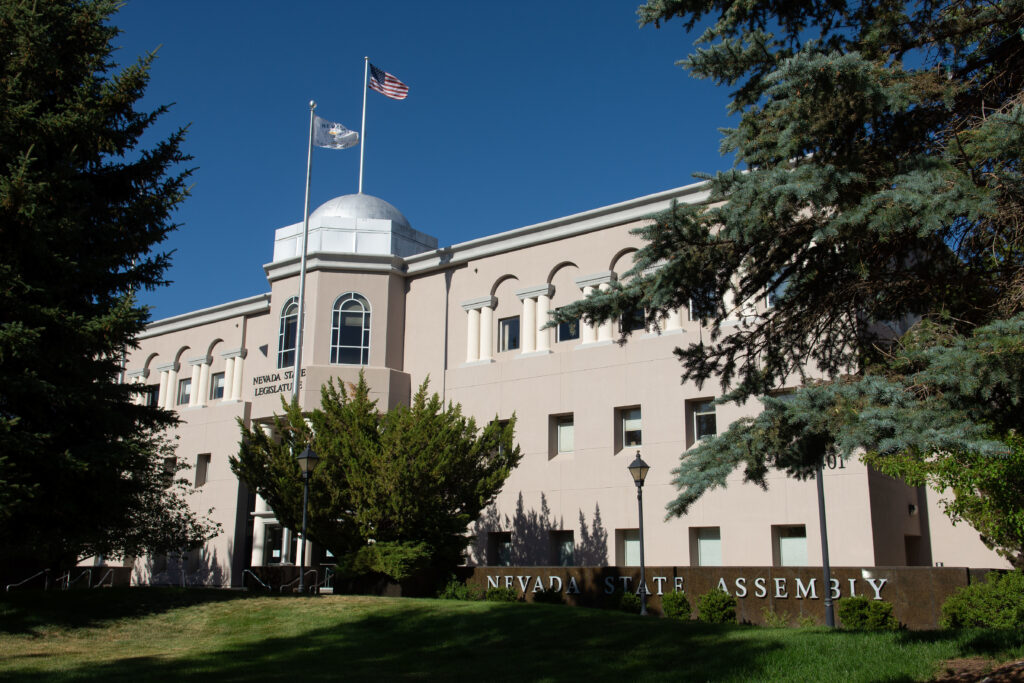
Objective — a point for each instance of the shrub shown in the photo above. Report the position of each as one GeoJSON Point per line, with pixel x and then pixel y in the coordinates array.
{"type": "Point", "coordinates": [457, 590]}
{"type": "Point", "coordinates": [773, 619]}
{"type": "Point", "coordinates": [716, 607]}
{"type": "Point", "coordinates": [501, 594]}
{"type": "Point", "coordinates": [675, 605]}
{"type": "Point", "coordinates": [629, 602]}
{"type": "Point", "coordinates": [397, 559]}
{"type": "Point", "coordinates": [860, 614]}
{"type": "Point", "coordinates": [549, 596]}
{"type": "Point", "coordinates": [998, 602]}
{"type": "Point", "coordinates": [806, 621]}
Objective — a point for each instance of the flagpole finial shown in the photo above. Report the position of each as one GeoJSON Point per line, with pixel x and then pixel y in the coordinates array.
{"type": "Point", "coordinates": [312, 105]}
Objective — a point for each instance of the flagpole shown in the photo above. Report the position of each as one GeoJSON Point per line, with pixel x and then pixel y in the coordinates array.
{"type": "Point", "coordinates": [302, 268]}
{"type": "Point", "coordinates": [362, 132]}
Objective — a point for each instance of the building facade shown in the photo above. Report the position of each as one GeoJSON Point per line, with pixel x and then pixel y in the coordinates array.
{"type": "Point", "coordinates": [382, 298]}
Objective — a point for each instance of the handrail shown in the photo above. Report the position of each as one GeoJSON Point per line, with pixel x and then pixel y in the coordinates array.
{"type": "Point", "coordinates": [253, 575]}
{"type": "Point", "coordinates": [15, 585]}
{"type": "Point", "coordinates": [328, 576]}
{"type": "Point", "coordinates": [110, 573]}
{"type": "Point", "coordinates": [68, 580]}
{"type": "Point", "coordinates": [302, 576]}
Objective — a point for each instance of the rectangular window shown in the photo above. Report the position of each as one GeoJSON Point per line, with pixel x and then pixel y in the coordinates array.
{"type": "Point", "coordinates": [217, 385]}
{"type": "Point", "coordinates": [569, 331]}
{"type": "Point", "coordinates": [633, 321]}
{"type": "Point", "coordinates": [150, 395]}
{"type": "Point", "coordinates": [202, 468]}
{"type": "Point", "coordinates": [703, 305]}
{"type": "Point", "coordinates": [706, 546]}
{"type": "Point", "coordinates": [499, 548]}
{"type": "Point", "coordinates": [627, 547]}
{"type": "Point", "coordinates": [775, 293]}
{"type": "Point", "coordinates": [562, 549]}
{"type": "Point", "coordinates": [563, 433]}
{"type": "Point", "coordinates": [184, 391]}
{"type": "Point", "coordinates": [273, 545]}
{"type": "Point", "coordinates": [789, 545]}
{"type": "Point", "coordinates": [632, 435]}
{"type": "Point", "coordinates": [508, 333]}
{"type": "Point", "coordinates": [705, 423]}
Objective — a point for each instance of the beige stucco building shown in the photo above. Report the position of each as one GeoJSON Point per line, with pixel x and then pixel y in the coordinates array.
{"type": "Point", "coordinates": [383, 298]}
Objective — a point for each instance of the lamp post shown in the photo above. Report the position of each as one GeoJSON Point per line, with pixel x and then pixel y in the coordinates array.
{"type": "Point", "coordinates": [638, 468]}
{"type": "Point", "coordinates": [307, 461]}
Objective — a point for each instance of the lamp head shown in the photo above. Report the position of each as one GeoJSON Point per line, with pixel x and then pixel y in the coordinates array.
{"type": "Point", "coordinates": [307, 461]}
{"type": "Point", "coordinates": [638, 468]}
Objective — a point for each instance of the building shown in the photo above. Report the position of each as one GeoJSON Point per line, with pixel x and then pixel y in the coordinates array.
{"type": "Point", "coordinates": [383, 298]}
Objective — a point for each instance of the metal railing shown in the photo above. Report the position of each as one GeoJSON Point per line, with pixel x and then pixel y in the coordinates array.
{"type": "Point", "coordinates": [308, 572]}
{"type": "Point", "coordinates": [250, 573]}
{"type": "Point", "coordinates": [328, 581]}
{"type": "Point", "coordinates": [67, 581]}
{"type": "Point", "coordinates": [46, 583]}
{"type": "Point", "coordinates": [110, 573]}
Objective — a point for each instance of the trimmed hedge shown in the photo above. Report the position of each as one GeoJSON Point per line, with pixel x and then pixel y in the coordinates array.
{"type": "Point", "coordinates": [998, 602]}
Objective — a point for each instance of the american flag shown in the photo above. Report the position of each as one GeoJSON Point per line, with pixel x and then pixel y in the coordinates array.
{"type": "Point", "coordinates": [387, 85]}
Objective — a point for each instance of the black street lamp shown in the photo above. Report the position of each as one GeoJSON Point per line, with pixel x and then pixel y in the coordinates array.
{"type": "Point", "coordinates": [307, 461]}
{"type": "Point", "coordinates": [638, 468]}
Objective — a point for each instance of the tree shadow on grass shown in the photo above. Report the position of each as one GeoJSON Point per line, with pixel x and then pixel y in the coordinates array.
{"type": "Point", "coordinates": [971, 642]}
{"type": "Point", "coordinates": [466, 642]}
{"type": "Point", "coordinates": [30, 612]}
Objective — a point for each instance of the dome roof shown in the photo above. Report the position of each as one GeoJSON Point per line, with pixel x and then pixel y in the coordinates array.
{"type": "Point", "coordinates": [358, 206]}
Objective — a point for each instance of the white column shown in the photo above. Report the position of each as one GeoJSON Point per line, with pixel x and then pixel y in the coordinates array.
{"type": "Point", "coordinates": [486, 333]}
{"type": "Point", "coordinates": [543, 334]}
{"type": "Point", "coordinates": [161, 397]}
{"type": "Point", "coordinates": [193, 397]}
{"type": "Point", "coordinates": [229, 378]}
{"type": "Point", "coordinates": [529, 326]}
{"type": "Point", "coordinates": [472, 335]}
{"type": "Point", "coordinates": [286, 547]}
{"type": "Point", "coordinates": [588, 335]}
{"type": "Point", "coordinates": [172, 388]}
{"type": "Point", "coordinates": [236, 384]}
{"type": "Point", "coordinates": [606, 329]}
{"type": "Point", "coordinates": [259, 532]}
{"type": "Point", "coordinates": [674, 320]}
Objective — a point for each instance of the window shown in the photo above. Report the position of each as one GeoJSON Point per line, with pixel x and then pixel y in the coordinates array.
{"type": "Point", "coordinates": [703, 304]}
{"type": "Point", "coordinates": [350, 330]}
{"type": "Point", "coordinates": [150, 395]}
{"type": "Point", "coordinates": [633, 321]}
{"type": "Point", "coordinates": [630, 426]}
{"type": "Point", "coordinates": [184, 391]}
{"type": "Point", "coordinates": [217, 385]}
{"type": "Point", "coordinates": [774, 294]}
{"type": "Point", "coordinates": [289, 331]}
{"type": "Point", "coordinates": [706, 546]}
{"type": "Point", "coordinates": [170, 468]}
{"type": "Point", "coordinates": [202, 468]}
{"type": "Point", "coordinates": [789, 546]}
{"type": "Point", "coordinates": [499, 548]}
{"type": "Point", "coordinates": [704, 421]}
{"type": "Point", "coordinates": [508, 333]}
{"type": "Point", "coordinates": [562, 549]}
{"type": "Point", "coordinates": [562, 434]}
{"type": "Point", "coordinates": [569, 331]}
{"type": "Point", "coordinates": [627, 546]}
{"type": "Point", "coordinates": [273, 544]}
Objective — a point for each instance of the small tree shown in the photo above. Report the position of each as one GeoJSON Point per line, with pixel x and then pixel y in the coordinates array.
{"type": "Point", "coordinates": [410, 480]}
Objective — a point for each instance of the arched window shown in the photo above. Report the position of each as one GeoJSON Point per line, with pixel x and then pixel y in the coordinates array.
{"type": "Point", "coordinates": [289, 331]}
{"type": "Point", "coordinates": [350, 330]}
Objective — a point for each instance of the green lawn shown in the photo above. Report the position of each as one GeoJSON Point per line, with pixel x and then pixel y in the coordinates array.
{"type": "Point", "coordinates": [153, 635]}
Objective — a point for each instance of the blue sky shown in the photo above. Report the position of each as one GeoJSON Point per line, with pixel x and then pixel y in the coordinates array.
{"type": "Point", "coordinates": [518, 113]}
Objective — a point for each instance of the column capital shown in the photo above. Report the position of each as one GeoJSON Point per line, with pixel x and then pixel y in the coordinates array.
{"type": "Point", "coordinates": [136, 374]}
{"type": "Point", "coordinates": [479, 302]}
{"type": "Point", "coordinates": [234, 353]}
{"type": "Point", "coordinates": [536, 291]}
{"type": "Point", "coordinates": [200, 360]}
{"type": "Point", "coordinates": [168, 367]}
{"type": "Point", "coordinates": [595, 279]}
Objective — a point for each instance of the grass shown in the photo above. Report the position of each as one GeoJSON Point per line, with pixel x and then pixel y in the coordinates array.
{"type": "Point", "coordinates": [172, 634]}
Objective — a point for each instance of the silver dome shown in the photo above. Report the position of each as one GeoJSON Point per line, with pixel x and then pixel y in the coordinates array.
{"type": "Point", "coordinates": [358, 206]}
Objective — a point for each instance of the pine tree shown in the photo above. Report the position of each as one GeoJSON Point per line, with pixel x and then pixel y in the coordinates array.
{"type": "Point", "coordinates": [410, 480]}
{"type": "Point", "coordinates": [81, 208]}
{"type": "Point", "coordinates": [878, 182]}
